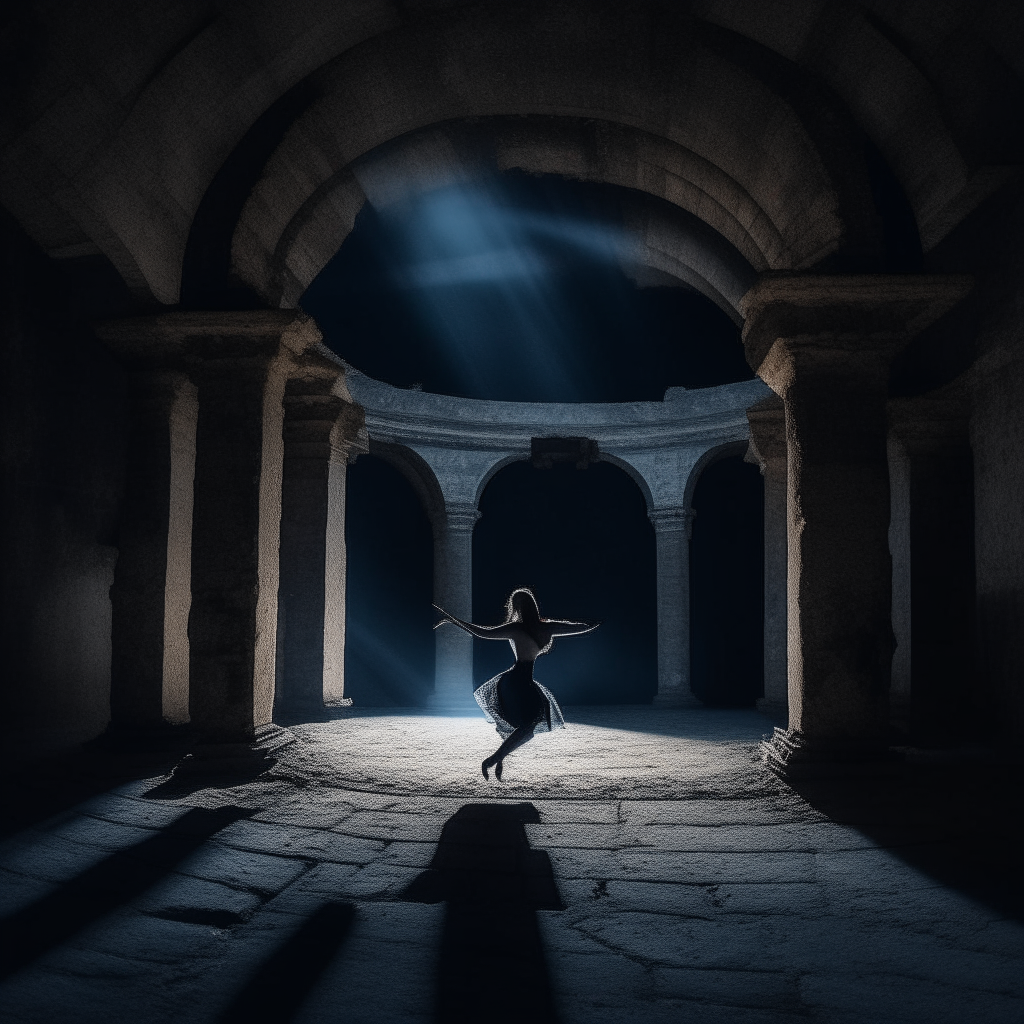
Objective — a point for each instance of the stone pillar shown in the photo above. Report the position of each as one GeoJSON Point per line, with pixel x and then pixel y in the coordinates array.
{"type": "Point", "coordinates": [824, 344]}
{"type": "Point", "coordinates": [933, 431]}
{"type": "Point", "coordinates": [453, 591]}
{"type": "Point", "coordinates": [672, 546]}
{"type": "Point", "coordinates": [321, 431]}
{"type": "Point", "coordinates": [150, 596]}
{"type": "Point", "coordinates": [240, 363]}
{"type": "Point", "coordinates": [767, 420]}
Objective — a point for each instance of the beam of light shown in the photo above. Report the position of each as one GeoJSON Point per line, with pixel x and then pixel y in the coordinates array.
{"type": "Point", "coordinates": [486, 278]}
{"type": "Point", "coordinates": [400, 679]}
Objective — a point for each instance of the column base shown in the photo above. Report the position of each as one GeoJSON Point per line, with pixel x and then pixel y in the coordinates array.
{"type": "Point", "coordinates": [790, 756]}
{"type": "Point", "coordinates": [236, 758]}
{"type": "Point", "coordinates": [680, 699]}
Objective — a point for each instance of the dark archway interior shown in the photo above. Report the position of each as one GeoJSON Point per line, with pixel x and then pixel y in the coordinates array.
{"type": "Point", "coordinates": [727, 585]}
{"type": "Point", "coordinates": [582, 540]}
{"type": "Point", "coordinates": [514, 289]}
{"type": "Point", "coordinates": [389, 645]}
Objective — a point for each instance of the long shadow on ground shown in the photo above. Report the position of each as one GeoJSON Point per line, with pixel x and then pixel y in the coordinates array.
{"type": "Point", "coordinates": [492, 965]}
{"type": "Point", "coordinates": [45, 924]}
{"type": "Point", "coordinates": [956, 820]}
{"type": "Point", "coordinates": [278, 987]}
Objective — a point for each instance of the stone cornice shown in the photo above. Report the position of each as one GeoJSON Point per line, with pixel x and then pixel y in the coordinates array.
{"type": "Point", "coordinates": [689, 418]}
{"type": "Point", "coordinates": [167, 338]}
{"type": "Point", "coordinates": [857, 311]}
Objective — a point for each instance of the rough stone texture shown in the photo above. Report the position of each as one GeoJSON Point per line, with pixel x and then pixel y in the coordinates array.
{"type": "Point", "coordinates": [453, 591]}
{"type": "Point", "coordinates": [241, 363]}
{"type": "Point", "coordinates": [800, 90]}
{"type": "Point", "coordinates": [824, 345]}
{"type": "Point", "coordinates": [672, 537]}
{"type": "Point", "coordinates": [767, 420]}
{"type": "Point", "coordinates": [321, 433]}
{"type": "Point", "coordinates": [691, 882]}
{"type": "Point", "coordinates": [152, 582]}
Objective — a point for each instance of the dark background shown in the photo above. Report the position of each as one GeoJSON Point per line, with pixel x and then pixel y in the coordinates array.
{"type": "Point", "coordinates": [512, 291]}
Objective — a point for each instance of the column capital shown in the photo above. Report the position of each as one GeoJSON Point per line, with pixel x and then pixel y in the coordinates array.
{"type": "Point", "coordinates": [461, 516]}
{"type": "Point", "coordinates": [181, 338]}
{"type": "Point", "coordinates": [851, 319]}
{"type": "Point", "coordinates": [320, 420]}
{"type": "Point", "coordinates": [671, 519]}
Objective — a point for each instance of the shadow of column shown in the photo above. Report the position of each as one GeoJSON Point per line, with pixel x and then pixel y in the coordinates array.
{"type": "Point", "coordinates": [279, 986]}
{"type": "Point", "coordinates": [86, 898]}
{"type": "Point", "coordinates": [492, 965]}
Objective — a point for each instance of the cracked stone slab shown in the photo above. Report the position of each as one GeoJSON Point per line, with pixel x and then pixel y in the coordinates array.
{"type": "Point", "coordinates": [314, 844]}
{"type": "Point", "coordinates": [241, 869]}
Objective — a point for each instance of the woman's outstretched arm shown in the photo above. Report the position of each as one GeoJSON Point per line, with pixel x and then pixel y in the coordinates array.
{"type": "Point", "coordinates": [563, 627]}
{"type": "Point", "coordinates": [483, 632]}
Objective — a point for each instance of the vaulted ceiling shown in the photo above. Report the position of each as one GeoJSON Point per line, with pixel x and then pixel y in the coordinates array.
{"type": "Point", "coordinates": [186, 140]}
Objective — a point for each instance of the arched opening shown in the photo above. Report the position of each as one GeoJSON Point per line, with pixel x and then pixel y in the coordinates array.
{"type": "Point", "coordinates": [389, 646]}
{"type": "Point", "coordinates": [727, 585]}
{"type": "Point", "coordinates": [582, 540]}
{"type": "Point", "coordinates": [517, 288]}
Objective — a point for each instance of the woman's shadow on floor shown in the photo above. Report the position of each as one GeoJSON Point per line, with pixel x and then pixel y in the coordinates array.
{"type": "Point", "coordinates": [492, 963]}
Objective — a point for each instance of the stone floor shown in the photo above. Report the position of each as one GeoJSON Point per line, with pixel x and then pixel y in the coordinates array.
{"type": "Point", "coordinates": [640, 866]}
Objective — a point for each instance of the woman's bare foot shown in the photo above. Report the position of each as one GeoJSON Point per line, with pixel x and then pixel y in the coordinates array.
{"type": "Point", "coordinates": [498, 769]}
{"type": "Point", "coordinates": [484, 766]}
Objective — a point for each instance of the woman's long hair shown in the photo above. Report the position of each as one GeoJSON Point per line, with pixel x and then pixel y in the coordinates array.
{"type": "Point", "coordinates": [521, 606]}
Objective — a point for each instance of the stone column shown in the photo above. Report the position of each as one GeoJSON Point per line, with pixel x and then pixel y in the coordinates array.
{"type": "Point", "coordinates": [240, 363]}
{"type": "Point", "coordinates": [824, 344]}
{"type": "Point", "coordinates": [321, 431]}
{"type": "Point", "coordinates": [767, 420]}
{"type": "Point", "coordinates": [453, 591]}
{"type": "Point", "coordinates": [672, 545]}
{"type": "Point", "coordinates": [933, 431]}
{"type": "Point", "coordinates": [151, 592]}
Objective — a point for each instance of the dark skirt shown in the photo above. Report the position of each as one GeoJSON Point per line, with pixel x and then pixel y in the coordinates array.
{"type": "Point", "coordinates": [515, 699]}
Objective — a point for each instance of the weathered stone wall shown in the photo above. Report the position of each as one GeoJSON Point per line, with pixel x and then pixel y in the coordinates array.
{"type": "Point", "coordinates": [991, 246]}
{"type": "Point", "coordinates": [62, 416]}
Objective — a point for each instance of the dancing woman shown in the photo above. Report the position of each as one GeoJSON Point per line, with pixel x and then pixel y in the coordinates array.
{"type": "Point", "coordinates": [514, 701]}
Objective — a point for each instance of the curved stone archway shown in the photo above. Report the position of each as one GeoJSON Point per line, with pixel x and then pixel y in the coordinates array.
{"type": "Point", "coordinates": [119, 166]}
{"type": "Point", "coordinates": [582, 539]}
{"type": "Point", "coordinates": [465, 442]}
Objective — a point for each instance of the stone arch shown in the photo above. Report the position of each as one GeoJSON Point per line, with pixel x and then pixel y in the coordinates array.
{"type": "Point", "coordinates": [129, 184]}
{"type": "Point", "coordinates": [417, 471]}
{"type": "Point", "coordinates": [583, 540]}
{"type": "Point", "coordinates": [494, 470]}
{"type": "Point", "coordinates": [712, 455]}
{"type": "Point", "coordinates": [633, 473]}
{"type": "Point", "coordinates": [711, 236]}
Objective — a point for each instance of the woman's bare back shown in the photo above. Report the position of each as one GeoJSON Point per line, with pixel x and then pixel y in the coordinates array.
{"type": "Point", "coordinates": [514, 701]}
